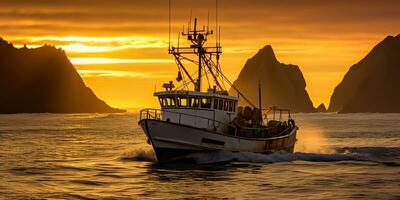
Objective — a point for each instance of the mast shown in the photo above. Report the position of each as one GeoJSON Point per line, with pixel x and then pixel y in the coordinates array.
{"type": "Point", "coordinates": [197, 37]}
{"type": "Point", "coordinates": [207, 56]}
{"type": "Point", "coordinates": [199, 46]}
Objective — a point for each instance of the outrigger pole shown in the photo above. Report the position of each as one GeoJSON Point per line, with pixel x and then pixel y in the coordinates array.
{"type": "Point", "coordinates": [259, 100]}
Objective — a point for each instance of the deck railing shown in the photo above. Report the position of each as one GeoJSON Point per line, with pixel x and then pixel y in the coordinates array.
{"type": "Point", "coordinates": [157, 114]}
{"type": "Point", "coordinates": [275, 114]}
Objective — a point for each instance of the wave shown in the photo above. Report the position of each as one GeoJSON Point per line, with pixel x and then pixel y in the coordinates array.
{"type": "Point", "coordinates": [381, 155]}
{"type": "Point", "coordinates": [111, 115]}
{"type": "Point", "coordinates": [226, 156]}
{"type": "Point", "coordinates": [147, 155]}
{"type": "Point", "coordinates": [375, 153]}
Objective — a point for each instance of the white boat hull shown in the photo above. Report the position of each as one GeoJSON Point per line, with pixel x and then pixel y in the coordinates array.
{"type": "Point", "coordinates": [173, 141]}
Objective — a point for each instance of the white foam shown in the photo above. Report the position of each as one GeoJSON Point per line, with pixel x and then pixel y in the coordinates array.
{"type": "Point", "coordinates": [225, 156]}
{"type": "Point", "coordinates": [139, 155]}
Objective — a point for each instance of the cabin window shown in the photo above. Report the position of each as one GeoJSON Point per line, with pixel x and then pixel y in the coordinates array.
{"type": "Point", "coordinates": [194, 102]}
{"type": "Point", "coordinates": [215, 103]}
{"type": "Point", "coordinates": [165, 103]}
{"type": "Point", "coordinates": [206, 103]}
{"type": "Point", "coordinates": [234, 107]}
{"type": "Point", "coordinates": [221, 104]}
{"type": "Point", "coordinates": [226, 105]}
{"type": "Point", "coordinates": [182, 101]}
{"type": "Point", "coordinates": [171, 102]}
{"type": "Point", "coordinates": [230, 106]}
{"type": "Point", "coordinates": [162, 102]}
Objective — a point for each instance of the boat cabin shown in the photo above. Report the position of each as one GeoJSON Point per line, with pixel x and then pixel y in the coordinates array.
{"type": "Point", "coordinates": [200, 108]}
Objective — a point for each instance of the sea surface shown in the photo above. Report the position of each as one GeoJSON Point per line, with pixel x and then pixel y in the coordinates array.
{"type": "Point", "coordinates": [105, 156]}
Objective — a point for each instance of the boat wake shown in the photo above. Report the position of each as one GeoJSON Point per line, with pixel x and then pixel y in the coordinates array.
{"type": "Point", "coordinates": [225, 156]}
{"type": "Point", "coordinates": [140, 154]}
{"type": "Point", "coordinates": [379, 155]}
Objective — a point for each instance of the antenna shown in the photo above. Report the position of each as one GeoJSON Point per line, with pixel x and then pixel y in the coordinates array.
{"type": "Point", "coordinates": [190, 21]}
{"type": "Point", "coordinates": [219, 35]}
{"type": "Point", "coordinates": [208, 20]}
{"type": "Point", "coordinates": [216, 22]}
{"type": "Point", "coordinates": [179, 37]}
{"type": "Point", "coordinates": [169, 25]}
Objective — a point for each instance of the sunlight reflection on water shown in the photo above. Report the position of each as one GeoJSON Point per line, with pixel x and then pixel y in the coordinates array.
{"type": "Point", "coordinates": [102, 156]}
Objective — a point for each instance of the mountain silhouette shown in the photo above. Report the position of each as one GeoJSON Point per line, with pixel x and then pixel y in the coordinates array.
{"type": "Point", "coordinates": [373, 84]}
{"type": "Point", "coordinates": [43, 80]}
{"type": "Point", "coordinates": [282, 85]}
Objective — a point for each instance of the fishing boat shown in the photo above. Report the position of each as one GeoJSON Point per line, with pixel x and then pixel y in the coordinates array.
{"type": "Point", "coordinates": [194, 118]}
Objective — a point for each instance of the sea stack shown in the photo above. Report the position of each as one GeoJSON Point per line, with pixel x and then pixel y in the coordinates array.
{"type": "Point", "coordinates": [321, 108]}
{"type": "Point", "coordinates": [43, 80]}
{"type": "Point", "coordinates": [373, 84]}
{"type": "Point", "coordinates": [282, 85]}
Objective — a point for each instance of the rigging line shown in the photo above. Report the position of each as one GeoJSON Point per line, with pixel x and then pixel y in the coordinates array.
{"type": "Point", "coordinates": [182, 74]}
{"type": "Point", "coordinates": [208, 73]}
{"type": "Point", "coordinates": [235, 88]}
{"type": "Point", "coordinates": [190, 60]}
{"type": "Point", "coordinates": [184, 69]}
{"type": "Point", "coordinates": [208, 63]}
{"type": "Point", "coordinates": [186, 83]}
{"type": "Point", "coordinates": [208, 80]}
{"type": "Point", "coordinates": [183, 86]}
{"type": "Point", "coordinates": [218, 67]}
{"type": "Point", "coordinates": [212, 64]}
{"type": "Point", "coordinates": [193, 74]}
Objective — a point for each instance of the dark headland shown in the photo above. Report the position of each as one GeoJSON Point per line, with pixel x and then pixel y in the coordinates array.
{"type": "Point", "coordinates": [282, 85]}
{"type": "Point", "coordinates": [43, 80]}
{"type": "Point", "coordinates": [373, 84]}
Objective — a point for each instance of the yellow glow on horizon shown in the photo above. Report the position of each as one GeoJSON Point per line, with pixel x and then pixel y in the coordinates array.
{"type": "Point", "coordinates": [81, 48]}
{"type": "Point", "coordinates": [91, 61]}
{"type": "Point", "coordinates": [90, 39]}
{"type": "Point", "coordinates": [115, 73]}
{"type": "Point", "coordinates": [82, 44]}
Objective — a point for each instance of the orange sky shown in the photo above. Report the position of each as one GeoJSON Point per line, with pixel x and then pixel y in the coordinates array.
{"type": "Point", "coordinates": [120, 47]}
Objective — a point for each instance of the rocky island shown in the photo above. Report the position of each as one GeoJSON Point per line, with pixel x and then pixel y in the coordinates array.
{"type": "Point", "coordinates": [282, 85]}
{"type": "Point", "coordinates": [373, 84]}
{"type": "Point", "coordinates": [43, 80]}
{"type": "Point", "coordinates": [321, 108]}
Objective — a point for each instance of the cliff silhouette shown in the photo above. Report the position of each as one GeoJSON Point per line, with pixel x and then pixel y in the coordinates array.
{"type": "Point", "coordinates": [373, 84]}
{"type": "Point", "coordinates": [43, 80]}
{"type": "Point", "coordinates": [282, 85]}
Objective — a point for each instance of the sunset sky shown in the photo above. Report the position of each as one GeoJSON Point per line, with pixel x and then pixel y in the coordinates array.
{"type": "Point", "coordinates": [120, 47]}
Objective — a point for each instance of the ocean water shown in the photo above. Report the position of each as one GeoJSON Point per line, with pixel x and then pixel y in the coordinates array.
{"type": "Point", "coordinates": [105, 156]}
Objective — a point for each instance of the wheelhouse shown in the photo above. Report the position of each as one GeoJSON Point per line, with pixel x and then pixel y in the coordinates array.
{"type": "Point", "coordinates": [197, 100]}
{"type": "Point", "coordinates": [199, 109]}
